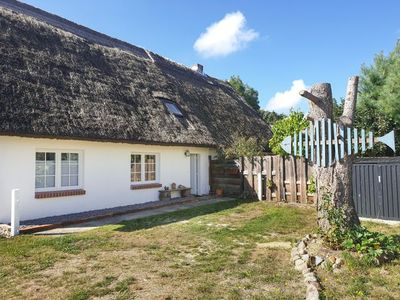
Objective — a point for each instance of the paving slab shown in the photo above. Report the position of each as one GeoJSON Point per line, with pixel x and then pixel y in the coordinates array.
{"type": "Point", "coordinates": [81, 227]}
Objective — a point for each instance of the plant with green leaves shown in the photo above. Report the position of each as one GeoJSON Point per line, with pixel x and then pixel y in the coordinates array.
{"type": "Point", "coordinates": [378, 108]}
{"type": "Point", "coordinates": [312, 187]}
{"type": "Point", "coordinates": [294, 123]}
{"type": "Point", "coordinates": [375, 247]}
{"type": "Point", "coordinates": [244, 147]}
{"type": "Point", "coordinates": [247, 92]}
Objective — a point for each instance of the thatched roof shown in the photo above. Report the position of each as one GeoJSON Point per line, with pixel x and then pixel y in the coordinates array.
{"type": "Point", "coordinates": [62, 80]}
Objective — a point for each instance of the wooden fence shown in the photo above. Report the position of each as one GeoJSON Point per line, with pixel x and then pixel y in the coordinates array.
{"type": "Point", "coordinates": [271, 178]}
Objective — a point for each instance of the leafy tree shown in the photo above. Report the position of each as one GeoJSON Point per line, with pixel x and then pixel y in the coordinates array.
{"type": "Point", "coordinates": [244, 147]}
{"type": "Point", "coordinates": [247, 92]}
{"type": "Point", "coordinates": [294, 123]}
{"type": "Point", "coordinates": [378, 108]}
{"type": "Point", "coordinates": [337, 108]}
{"type": "Point", "coordinates": [271, 117]}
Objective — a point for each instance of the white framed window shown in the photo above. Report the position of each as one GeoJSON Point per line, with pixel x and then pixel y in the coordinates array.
{"type": "Point", "coordinates": [144, 168]}
{"type": "Point", "coordinates": [58, 170]}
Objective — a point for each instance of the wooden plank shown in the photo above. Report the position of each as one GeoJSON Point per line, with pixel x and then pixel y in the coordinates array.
{"type": "Point", "coordinates": [282, 175]}
{"type": "Point", "coordinates": [323, 140]}
{"type": "Point", "coordinates": [300, 143]}
{"type": "Point", "coordinates": [317, 141]}
{"type": "Point", "coordinates": [348, 141]}
{"type": "Point", "coordinates": [306, 143]}
{"type": "Point", "coordinates": [355, 138]}
{"type": "Point", "coordinates": [370, 140]}
{"type": "Point", "coordinates": [277, 165]}
{"type": "Point", "coordinates": [329, 142]}
{"type": "Point", "coordinates": [302, 174]}
{"type": "Point", "coordinates": [335, 138]}
{"type": "Point", "coordinates": [269, 175]}
{"type": "Point", "coordinates": [265, 166]}
{"type": "Point", "coordinates": [342, 141]}
{"type": "Point", "coordinates": [295, 144]}
{"type": "Point", "coordinates": [363, 148]}
{"type": "Point", "coordinates": [293, 179]}
{"type": "Point", "coordinates": [312, 141]}
{"type": "Point", "coordinates": [252, 174]}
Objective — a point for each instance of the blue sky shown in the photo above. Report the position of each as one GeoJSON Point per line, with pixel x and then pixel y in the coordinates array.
{"type": "Point", "coordinates": [274, 46]}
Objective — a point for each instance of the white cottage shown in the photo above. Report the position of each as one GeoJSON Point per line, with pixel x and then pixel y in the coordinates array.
{"type": "Point", "coordinates": [90, 122]}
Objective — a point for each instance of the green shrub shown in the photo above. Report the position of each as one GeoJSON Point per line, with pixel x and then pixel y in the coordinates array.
{"type": "Point", "coordinates": [294, 123]}
{"type": "Point", "coordinates": [374, 246]}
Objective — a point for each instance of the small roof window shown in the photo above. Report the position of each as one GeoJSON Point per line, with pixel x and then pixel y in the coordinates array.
{"type": "Point", "coordinates": [172, 108]}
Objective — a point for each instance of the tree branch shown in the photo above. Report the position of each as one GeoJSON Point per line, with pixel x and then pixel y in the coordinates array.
{"type": "Point", "coordinates": [349, 108]}
{"type": "Point", "coordinates": [311, 97]}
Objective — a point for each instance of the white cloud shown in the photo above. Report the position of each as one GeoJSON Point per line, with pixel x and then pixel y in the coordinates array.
{"type": "Point", "coordinates": [225, 36]}
{"type": "Point", "coordinates": [287, 99]}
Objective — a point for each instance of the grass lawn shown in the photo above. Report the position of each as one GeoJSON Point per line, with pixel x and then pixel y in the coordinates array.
{"type": "Point", "coordinates": [211, 252]}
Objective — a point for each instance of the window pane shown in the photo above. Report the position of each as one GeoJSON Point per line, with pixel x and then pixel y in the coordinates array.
{"type": "Point", "coordinates": [50, 156]}
{"type": "Point", "coordinates": [50, 181]}
{"type": "Point", "coordinates": [64, 156]}
{"type": "Point", "coordinates": [135, 158]}
{"type": "Point", "coordinates": [73, 180]}
{"type": "Point", "coordinates": [40, 168]}
{"type": "Point", "coordinates": [64, 168]}
{"type": "Point", "coordinates": [64, 180]}
{"type": "Point", "coordinates": [173, 108]}
{"type": "Point", "coordinates": [136, 168]}
{"type": "Point", "coordinates": [74, 156]}
{"type": "Point", "coordinates": [50, 168]}
{"type": "Point", "coordinates": [150, 176]}
{"type": "Point", "coordinates": [74, 169]}
{"type": "Point", "coordinates": [136, 177]}
{"type": "Point", "coordinates": [150, 167]}
{"type": "Point", "coordinates": [40, 156]}
{"type": "Point", "coordinates": [39, 182]}
{"type": "Point", "coordinates": [150, 159]}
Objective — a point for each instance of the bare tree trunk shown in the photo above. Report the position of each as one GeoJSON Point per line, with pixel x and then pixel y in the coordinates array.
{"type": "Point", "coordinates": [333, 183]}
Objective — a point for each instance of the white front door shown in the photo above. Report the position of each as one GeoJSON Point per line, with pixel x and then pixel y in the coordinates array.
{"type": "Point", "coordinates": [194, 173]}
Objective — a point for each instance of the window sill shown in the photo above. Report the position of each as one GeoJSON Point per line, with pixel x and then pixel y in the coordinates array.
{"type": "Point", "coordinates": [56, 194]}
{"type": "Point", "coordinates": [145, 186]}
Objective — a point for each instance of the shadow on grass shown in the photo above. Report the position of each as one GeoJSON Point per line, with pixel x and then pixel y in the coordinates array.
{"type": "Point", "coordinates": [177, 216]}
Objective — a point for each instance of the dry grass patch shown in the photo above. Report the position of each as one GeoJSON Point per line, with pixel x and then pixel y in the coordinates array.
{"type": "Point", "coordinates": [210, 252]}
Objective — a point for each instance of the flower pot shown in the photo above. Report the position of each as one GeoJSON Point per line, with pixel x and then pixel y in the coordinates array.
{"type": "Point", "coordinates": [219, 192]}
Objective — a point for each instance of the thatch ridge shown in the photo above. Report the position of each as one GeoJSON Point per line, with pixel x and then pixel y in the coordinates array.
{"type": "Point", "coordinates": [58, 84]}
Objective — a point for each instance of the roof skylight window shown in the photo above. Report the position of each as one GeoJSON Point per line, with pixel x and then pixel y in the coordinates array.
{"type": "Point", "coordinates": [173, 108]}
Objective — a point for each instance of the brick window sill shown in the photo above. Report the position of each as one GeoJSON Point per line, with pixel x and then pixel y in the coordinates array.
{"type": "Point", "coordinates": [56, 194]}
{"type": "Point", "coordinates": [145, 186]}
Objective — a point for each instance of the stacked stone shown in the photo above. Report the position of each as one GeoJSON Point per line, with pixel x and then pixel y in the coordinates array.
{"type": "Point", "coordinates": [304, 262]}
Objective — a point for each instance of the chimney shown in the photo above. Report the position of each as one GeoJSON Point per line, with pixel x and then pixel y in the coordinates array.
{"type": "Point", "coordinates": [198, 68]}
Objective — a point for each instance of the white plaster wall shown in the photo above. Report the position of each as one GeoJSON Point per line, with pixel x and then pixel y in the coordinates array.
{"type": "Point", "coordinates": [106, 175]}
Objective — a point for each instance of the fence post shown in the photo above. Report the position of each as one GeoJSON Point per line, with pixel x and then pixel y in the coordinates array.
{"type": "Point", "coordinates": [15, 212]}
{"type": "Point", "coordinates": [259, 186]}
{"type": "Point", "coordinates": [242, 174]}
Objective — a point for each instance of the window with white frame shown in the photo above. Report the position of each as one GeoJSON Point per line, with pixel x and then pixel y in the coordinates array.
{"type": "Point", "coordinates": [57, 170]}
{"type": "Point", "coordinates": [144, 168]}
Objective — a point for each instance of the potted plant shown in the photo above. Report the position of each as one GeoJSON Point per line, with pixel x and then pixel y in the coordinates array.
{"type": "Point", "coordinates": [165, 194]}
{"type": "Point", "coordinates": [219, 192]}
